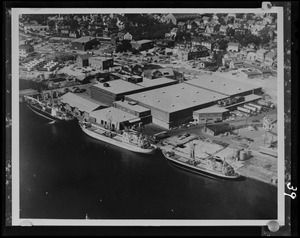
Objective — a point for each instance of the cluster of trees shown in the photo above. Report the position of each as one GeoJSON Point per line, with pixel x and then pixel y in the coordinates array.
{"type": "Point", "coordinates": [145, 26]}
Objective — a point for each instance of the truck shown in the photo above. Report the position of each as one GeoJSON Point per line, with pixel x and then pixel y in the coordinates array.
{"type": "Point", "coordinates": [255, 105]}
{"type": "Point", "coordinates": [254, 109]}
{"type": "Point", "coordinates": [244, 110]}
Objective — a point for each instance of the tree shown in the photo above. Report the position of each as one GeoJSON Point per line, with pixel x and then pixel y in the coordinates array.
{"type": "Point", "coordinates": [265, 35]}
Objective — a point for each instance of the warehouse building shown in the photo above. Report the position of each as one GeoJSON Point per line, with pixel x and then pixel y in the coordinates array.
{"type": "Point", "coordinates": [79, 106]}
{"type": "Point", "coordinates": [134, 109]}
{"type": "Point", "coordinates": [142, 44]}
{"type": "Point", "coordinates": [116, 89]}
{"type": "Point", "coordinates": [173, 105]}
{"type": "Point", "coordinates": [225, 86]}
{"type": "Point", "coordinates": [210, 114]}
{"type": "Point", "coordinates": [113, 90]}
{"type": "Point", "coordinates": [84, 43]}
{"type": "Point", "coordinates": [113, 118]}
{"type": "Point", "coordinates": [101, 63]}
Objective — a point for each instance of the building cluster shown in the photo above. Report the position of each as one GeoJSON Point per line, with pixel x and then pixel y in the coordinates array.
{"type": "Point", "coordinates": [33, 64]}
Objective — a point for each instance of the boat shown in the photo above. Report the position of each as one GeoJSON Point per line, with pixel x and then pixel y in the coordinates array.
{"type": "Point", "coordinates": [212, 165]}
{"type": "Point", "coordinates": [49, 111]}
{"type": "Point", "coordinates": [126, 139]}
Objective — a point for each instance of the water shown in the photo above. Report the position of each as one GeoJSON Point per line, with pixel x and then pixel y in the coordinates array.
{"type": "Point", "coordinates": [64, 174]}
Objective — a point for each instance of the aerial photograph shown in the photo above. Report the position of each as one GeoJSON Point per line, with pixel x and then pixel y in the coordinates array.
{"type": "Point", "coordinates": [148, 116]}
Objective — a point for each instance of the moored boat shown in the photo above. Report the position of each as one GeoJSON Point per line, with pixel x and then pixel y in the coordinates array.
{"type": "Point", "coordinates": [128, 140]}
{"type": "Point", "coordinates": [209, 166]}
{"type": "Point", "coordinates": [51, 112]}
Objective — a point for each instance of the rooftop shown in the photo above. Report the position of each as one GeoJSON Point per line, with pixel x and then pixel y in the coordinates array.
{"type": "Point", "coordinates": [100, 58]}
{"type": "Point", "coordinates": [220, 85]}
{"type": "Point", "coordinates": [113, 114]}
{"type": "Point", "coordinates": [233, 44]}
{"type": "Point", "coordinates": [143, 41]}
{"type": "Point", "coordinates": [118, 86]}
{"type": "Point", "coordinates": [83, 104]}
{"type": "Point", "coordinates": [158, 81]}
{"type": "Point", "coordinates": [175, 97]}
{"type": "Point", "coordinates": [84, 39]}
{"type": "Point", "coordinates": [136, 107]}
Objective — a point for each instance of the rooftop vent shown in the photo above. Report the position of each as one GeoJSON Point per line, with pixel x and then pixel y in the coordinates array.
{"type": "Point", "coordinates": [211, 80]}
{"type": "Point", "coordinates": [182, 87]}
{"type": "Point", "coordinates": [197, 92]}
{"type": "Point", "coordinates": [177, 96]}
{"type": "Point", "coordinates": [194, 101]}
{"type": "Point", "coordinates": [144, 95]}
{"type": "Point", "coordinates": [173, 105]}
{"type": "Point", "coordinates": [163, 91]}
{"type": "Point", "coordinates": [224, 84]}
{"type": "Point", "coordinates": [239, 89]}
{"type": "Point", "coordinates": [157, 100]}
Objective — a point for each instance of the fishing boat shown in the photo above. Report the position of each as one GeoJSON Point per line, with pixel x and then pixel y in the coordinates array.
{"type": "Point", "coordinates": [126, 139]}
{"type": "Point", "coordinates": [212, 165]}
{"type": "Point", "coordinates": [49, 111]}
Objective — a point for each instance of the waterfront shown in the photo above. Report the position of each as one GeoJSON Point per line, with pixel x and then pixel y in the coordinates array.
{"type": "Point", "coordinates": [64, 174]}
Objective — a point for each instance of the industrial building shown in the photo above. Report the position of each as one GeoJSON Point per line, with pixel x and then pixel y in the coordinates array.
{"type": "Point", "coordinates": [111, 91]}
{"type": "Point", "coordinates": [116, 89]}
{"type": "Point", "coordinates": [225, 86]}
{"type": "Point", "coordinates": [78, 105]}
{"type": "Point", "coordinates": [192, 54]}
{"type": "Point", "coordinates": [210, 114]}
{"type": "Point", "coordinates": [135, 109]}
{"type": "Point", "coordinates": [83, 60]}
{"type": "Point", "coordinates": [172, 105]}
{"type": "Point", "coordinates": [142, 44]}
{"type": "Point", "coordinates": [113, 118]}
{"type": "Point", "coordinates": [101, 63]}
{"type": "Point", "coordinates": [84, 43]}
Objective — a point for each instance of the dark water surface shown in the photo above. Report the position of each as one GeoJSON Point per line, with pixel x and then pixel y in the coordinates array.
{"type": "Point", "coordinates": [64, 174]}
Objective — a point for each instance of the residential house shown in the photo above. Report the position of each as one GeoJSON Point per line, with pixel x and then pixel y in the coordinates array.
{"type": "Point", "coordinates": [206, 19]}
{"type": "Point", "coordinates": [186, 55]}
{"type": "Point", "coordinates": [25, 50]}
{"type": "Point", "coordinates": [181, 26]}
{"type": "Point", "coordinates": [260, 55]}
{"type": "Point", "coordinates": [223, 30]}
{"type": "Point", "coordinates": [74, 34]}
{"type": "Point", "coordinates": [83, 60]}
{"type": "Point", "coordinates": [233, 47]}
{"type": "Point", "coordinates": [177, 17]}
{"type": "Point", "coordinates": [269, 19]}
{"type": "Point", "coordinates": [269, 58]}
{"type": "Point", "coordinates": [250, 24]}
{"type": "Point", "coordinates": [209, 29]}
{"type": "Point", "coordinates": [241, 31]}
{"type": "Point", "coordinates": [211, 45]}
{"type": "Point", "coordinates": [251, 56]}
{"type": "Point", "coordinates": [191, 25]}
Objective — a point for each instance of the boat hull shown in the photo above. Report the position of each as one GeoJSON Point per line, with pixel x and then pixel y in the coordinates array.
{"type": "Point", "coordinates": [198, 170]}
{"type": "Point", "coordinates": [116, 143]}
{"type": "Point", "coordinates": [45, 114]}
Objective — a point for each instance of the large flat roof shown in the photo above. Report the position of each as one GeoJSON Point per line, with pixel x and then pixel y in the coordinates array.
{"type": "Point", "coordinates": [221, 85]}
{"type": "Point", "coordinates": [83, 104]}
{"type": "Point", "coordinates": [118, 86]}
{"type": "Point", "coordinates": [136, 107]}
{"type": "Point", "coordinates": [158, 81]}
{"type": "Point", "coordinates": [175, 97]}
{"type": "Point", "coordinates": [113, 114]}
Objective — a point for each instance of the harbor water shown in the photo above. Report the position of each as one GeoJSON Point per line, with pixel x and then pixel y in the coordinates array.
{"type": "Point", "coordinates": [65, 174]}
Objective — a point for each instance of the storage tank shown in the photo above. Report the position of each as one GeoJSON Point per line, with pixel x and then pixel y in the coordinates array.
{"type": "Point", "coordinates": [243, 155]}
